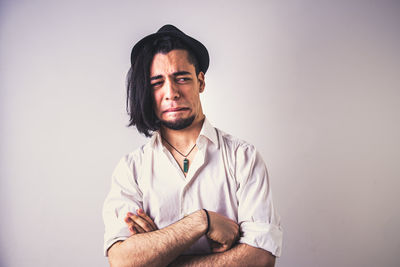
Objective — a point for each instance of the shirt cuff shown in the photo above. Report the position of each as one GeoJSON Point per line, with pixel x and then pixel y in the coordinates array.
{"type": "Point", "coordinates": [262, 235]}
{"type": "Point", "coordinates": [110, 237]}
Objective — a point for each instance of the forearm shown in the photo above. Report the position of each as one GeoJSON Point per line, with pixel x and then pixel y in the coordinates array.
{"type": "Point", "coordinates": [159, 248]}
{"type": "Point", "coordinates": [239, 255]}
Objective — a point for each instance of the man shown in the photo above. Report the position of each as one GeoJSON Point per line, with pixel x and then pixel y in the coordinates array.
{"type": "Point", "coordinates": [194, 195]}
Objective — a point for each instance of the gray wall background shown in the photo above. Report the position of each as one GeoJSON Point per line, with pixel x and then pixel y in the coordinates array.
{"type": "Point", "coordinates": [313, 84]}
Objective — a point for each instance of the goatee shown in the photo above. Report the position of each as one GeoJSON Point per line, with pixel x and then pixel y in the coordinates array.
{"type": "Point", "coordinates": [179, 124]}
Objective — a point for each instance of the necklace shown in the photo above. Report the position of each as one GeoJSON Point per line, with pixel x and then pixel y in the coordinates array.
{"type": "Point", "coordinates": [185, 160]}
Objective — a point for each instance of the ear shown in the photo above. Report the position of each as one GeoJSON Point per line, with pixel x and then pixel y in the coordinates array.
{"type": "Point", "coordinates": [202, 82]}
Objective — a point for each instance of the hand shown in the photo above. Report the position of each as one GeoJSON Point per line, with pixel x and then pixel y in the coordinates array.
{"type": "Point", "coordinates": [223, 232]}
{"type": "Point", "coordinates": [140, 223]}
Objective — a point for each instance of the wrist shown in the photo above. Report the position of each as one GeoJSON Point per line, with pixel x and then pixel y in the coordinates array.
{"type": "Point", "coordinates": [203, 221]}
{"type": "Point", "coordinates": [208, 221]}
{"type": "Point", "coordinates": [198, 220]}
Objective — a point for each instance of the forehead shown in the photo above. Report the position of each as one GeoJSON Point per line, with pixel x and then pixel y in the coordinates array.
{"type": "Point", "coordinates": [173, 61]}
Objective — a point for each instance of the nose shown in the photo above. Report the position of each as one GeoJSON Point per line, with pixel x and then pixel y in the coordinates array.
{"type": "Point", "coordinates": [171, 90]}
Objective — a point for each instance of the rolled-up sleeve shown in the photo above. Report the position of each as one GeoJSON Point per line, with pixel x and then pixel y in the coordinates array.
{"type": "Point", "coordinates": [123, 197]}
{"type": "Point", "coordinates": [258, 220]}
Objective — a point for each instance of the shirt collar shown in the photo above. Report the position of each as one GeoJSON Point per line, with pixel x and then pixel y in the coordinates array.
{"type": "Point", "coordinates": [207, 131]}
{"type": "Point", "coordinates": [155, 139]}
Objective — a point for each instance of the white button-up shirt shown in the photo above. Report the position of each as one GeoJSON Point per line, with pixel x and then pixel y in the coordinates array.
{"type": "Point", "coordinates": [227, 176]}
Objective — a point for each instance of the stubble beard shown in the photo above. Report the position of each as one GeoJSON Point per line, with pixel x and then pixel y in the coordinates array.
{"type": "Point", "coordinates": [178, 124]}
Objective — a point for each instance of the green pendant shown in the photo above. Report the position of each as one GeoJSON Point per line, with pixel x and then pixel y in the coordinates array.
{"type": "Point", "coordinates": [185, 165]}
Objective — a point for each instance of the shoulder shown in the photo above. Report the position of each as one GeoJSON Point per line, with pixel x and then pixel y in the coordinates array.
{"type": "Point", "coordinates": [135, 157]}
{"type": "Point", "coordinates": [129, 167]}
{"type": "Point", "coordinates": [243, 157]}
{"type": "Point", "coordinates": [233, 144]}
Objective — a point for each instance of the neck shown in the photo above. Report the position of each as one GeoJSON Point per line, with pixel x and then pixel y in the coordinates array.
{"type": "Point", "coordinates": [185, 137]}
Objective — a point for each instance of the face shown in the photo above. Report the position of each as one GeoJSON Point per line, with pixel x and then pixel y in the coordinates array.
{"type": "Point", "coordinates": [176, 89]}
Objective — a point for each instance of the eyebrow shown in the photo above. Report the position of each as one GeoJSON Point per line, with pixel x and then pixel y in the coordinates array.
{"type": "Point", "coordinates": [155, 77]}
{"type": "Point", "coordinates": [178, 73]}
{"type": "Point", "coordinates": [181, 73]}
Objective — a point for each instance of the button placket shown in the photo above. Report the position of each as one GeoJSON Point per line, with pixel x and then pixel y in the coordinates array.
{"type": "Point", "coordinates": [183, 211]}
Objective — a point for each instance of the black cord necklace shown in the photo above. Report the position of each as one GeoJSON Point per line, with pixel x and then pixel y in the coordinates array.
{"type": "Point", "coordinates": [185, 160]}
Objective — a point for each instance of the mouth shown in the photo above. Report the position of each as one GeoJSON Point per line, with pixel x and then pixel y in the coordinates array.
{"type": "Point", "coordinates": [177, 109]}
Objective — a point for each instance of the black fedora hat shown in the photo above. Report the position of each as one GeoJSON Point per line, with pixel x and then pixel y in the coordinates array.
{"type": "Point", "coordinates": [169, 30]}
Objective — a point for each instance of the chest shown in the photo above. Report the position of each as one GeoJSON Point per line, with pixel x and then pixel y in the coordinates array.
{"type": "Point", "coordinates": [168, 195]}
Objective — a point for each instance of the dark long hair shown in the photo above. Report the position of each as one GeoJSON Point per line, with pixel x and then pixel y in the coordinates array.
{"type": "Point", "coordinates": [139, 99]}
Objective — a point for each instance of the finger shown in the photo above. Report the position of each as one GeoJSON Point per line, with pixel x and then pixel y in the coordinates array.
{"type": "Point", "coordinates": [128, 221]}
{"type": "Point", "coordinates": [142, 214]}
{"type": "Point", "coordinates": [147, 223]}
{"type": "Point", "coordinates": [217, 247]}
{"type": "Point", "coordinates": [130, 224]}
{"type": "Point", "coordinates": [220, 248]}
{"type": "Point", "coordinates": [141, 224]}
{"type": "Point", "coordinates": [132, 229]}
{"type": "Point", "coordinates": [138, 229]}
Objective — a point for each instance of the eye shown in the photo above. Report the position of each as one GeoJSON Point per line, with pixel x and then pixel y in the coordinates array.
{"type": "Point", "coordinates": [182, 79]}
{"type": "Point", "coordinates": [156, 84]}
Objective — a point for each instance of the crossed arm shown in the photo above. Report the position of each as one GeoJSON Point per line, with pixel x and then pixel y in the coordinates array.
{"type": "Point", "coordinates": [239, 255]}
{"type": "Point", "coordinates": [149, 246]}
